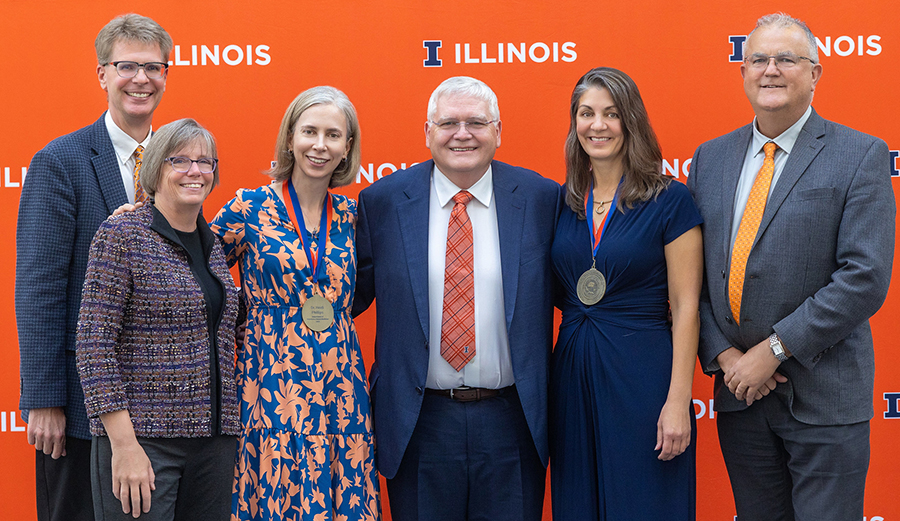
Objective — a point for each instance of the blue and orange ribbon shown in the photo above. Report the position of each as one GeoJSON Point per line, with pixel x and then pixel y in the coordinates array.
{"type": "Point", "coordinates": [315, 258]}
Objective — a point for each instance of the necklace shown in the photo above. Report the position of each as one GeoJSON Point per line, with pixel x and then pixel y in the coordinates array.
{"type": "Point", "coordinates": [602, 206]}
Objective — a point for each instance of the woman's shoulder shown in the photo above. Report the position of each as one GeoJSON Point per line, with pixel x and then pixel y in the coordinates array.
{"type": "Point", "coordinates": [676, 193]}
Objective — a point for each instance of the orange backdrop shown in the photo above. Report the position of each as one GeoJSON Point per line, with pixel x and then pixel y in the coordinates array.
{"type": "Point", "coordinates": [237, 65]}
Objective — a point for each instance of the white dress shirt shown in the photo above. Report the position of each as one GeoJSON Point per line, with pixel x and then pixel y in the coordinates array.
{"type": "Point", "coordinates": [125, 145]}
{"type": "Point", "coordinates": [491, 366]}
{"type": "Point", "coordinates": [753, 161]}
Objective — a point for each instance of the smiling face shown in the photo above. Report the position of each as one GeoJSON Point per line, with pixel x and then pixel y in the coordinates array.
{"type": "Point", "coordinates": [132, 100]}
{"type": "Point", "coordinates": [319, 142]}
{"type": "Point", "coordinates": [779, 96]}
{"type": "Point", "coordinates": [184, 193]}
{"type": "Point", "coordinates": [460, 154]}
{"type": "Point", "coordinates": [599, 127]}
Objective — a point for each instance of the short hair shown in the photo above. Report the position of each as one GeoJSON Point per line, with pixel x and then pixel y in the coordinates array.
{"type": "Point", "coordinates": [464, 86]}
{"type": "Point", "coordinates": [167, 140]}
{"type": "Point", "coordinates": [642, 158]}
{"type": "Point", "coordinates": [347, 169]}
{"type": "Point", "coordinates": [785, 21]}
{"type": "Point", "coordinates": [131, 27]}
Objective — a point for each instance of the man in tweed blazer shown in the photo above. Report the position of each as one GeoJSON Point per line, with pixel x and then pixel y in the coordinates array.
{"type": "Point", "coordinates": [72, 186]}
{"type": "Point", "coordinates": [794, 365]}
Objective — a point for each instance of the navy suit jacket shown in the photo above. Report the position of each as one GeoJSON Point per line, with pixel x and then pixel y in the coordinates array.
{"type": "Point", "coordinates": [819, 268]}
{"type": "Point", "coordinates": [73, 184]}
{"type": "Point", "coordinates": [392, 248]}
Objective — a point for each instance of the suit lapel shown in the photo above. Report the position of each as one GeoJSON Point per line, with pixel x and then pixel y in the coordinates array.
{"type": "Point", "coordinates": [806, 148]}
{"type": "Point", "coordinates": [510, 208]}
{"type": "Point", "coordinates": [106, 167]}
{"type": "Point", "coordinates": [733, 162]}
{"type": "Point", "coordinates": [412, 214]}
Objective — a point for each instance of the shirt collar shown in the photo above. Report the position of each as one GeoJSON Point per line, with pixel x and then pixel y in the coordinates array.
{"type": "Point", "coordinates": [482, 190]}
{"type": "Point", "coordinates": [123, 144]}
{"type": "Point", "coordinates": [786, 139]}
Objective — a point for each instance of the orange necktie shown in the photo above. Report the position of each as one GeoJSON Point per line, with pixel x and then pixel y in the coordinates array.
{"type": "Point", "coordinates": [458, 320]}
{"type": "Point", "coordinates": [756, 205]}
{"type": "Point", "coordinates": [139, 195]}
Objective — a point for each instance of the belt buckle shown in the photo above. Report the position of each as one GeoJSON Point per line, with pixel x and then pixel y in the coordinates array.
{"type": "Point", "coordinates": [460, 388]}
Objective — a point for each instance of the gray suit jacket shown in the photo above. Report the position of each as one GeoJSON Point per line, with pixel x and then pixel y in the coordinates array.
{"type": "Point", "coordinates": [819, 268]}
{"type": "Point", "coordinates": [73, 185]}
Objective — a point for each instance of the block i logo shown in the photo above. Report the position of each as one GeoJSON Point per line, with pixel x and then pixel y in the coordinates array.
{"type": "Point", "coordinates": [431, 53]}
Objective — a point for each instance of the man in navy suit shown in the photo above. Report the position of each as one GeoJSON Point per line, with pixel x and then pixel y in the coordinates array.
{"type": "Point", "coordinates": [461, 431]}
{"type": "Point", "coordinates": [798, 240]}
{"type": "Point", "coordinates": [72, 186]}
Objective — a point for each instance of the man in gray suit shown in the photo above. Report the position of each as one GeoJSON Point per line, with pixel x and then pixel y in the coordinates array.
{"type": "Point", "coordinates": [798, 244]}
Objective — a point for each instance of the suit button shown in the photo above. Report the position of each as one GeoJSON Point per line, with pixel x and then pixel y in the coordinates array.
{"type": "Point", "coordinates": [426, 344]}
{"type": "Point", "coordinates": [728, 320]}
{"type": "Point", "coordinates": [419, 390]}
{"type": "Point", "coordinates": [723, 274]}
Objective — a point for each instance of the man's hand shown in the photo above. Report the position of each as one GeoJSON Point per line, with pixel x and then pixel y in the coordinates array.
{"type": "Point", "coordinates": [730, 357]}
{"type": "Point", "coordinates": [47, 431]}
{"type": "Point", "coordinates": [753, 375]}
{"type": "Point", "coordinates": [127, 208]}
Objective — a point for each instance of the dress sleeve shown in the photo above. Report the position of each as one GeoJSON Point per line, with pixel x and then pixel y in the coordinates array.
{"type": "Point", "coordinates": [108, 286]}
{"type": "Point", "coordinates": [229, 224]}
{"type": "Point", "coordinates": [681, 214]}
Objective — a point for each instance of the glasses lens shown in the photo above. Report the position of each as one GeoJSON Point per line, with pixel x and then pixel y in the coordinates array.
{"type": "Point", "coordinates": [154, 70]}
{"type": "Point", "coordinates": [180, 164]}
{"type": "Point", "coordinates": [206, 164]}
{"type": "Point", "coordinates": [126, 69]}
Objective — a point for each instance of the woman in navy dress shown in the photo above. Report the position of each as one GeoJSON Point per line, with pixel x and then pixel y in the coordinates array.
{"type": "Point", "coordinates": [627, 254]}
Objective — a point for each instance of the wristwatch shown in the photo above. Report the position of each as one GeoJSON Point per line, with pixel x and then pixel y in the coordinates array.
{"type": "Point", "coordinates": [777, 348]}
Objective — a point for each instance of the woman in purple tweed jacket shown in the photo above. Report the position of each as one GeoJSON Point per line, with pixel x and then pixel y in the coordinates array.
{"type": "Point", "coordinates": [155, 344]}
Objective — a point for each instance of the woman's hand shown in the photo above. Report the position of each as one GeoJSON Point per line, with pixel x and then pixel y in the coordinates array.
{"type": "Point", "coordinates": [132, 478]}
{"type": "Point", "coordinates": [132, 473]}
{"type": "Point", "coordinates": [673, 430]}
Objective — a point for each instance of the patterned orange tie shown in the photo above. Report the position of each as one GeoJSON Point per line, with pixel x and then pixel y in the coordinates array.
{"type": "Point", "coordinates": [458, 322]}
{"type": "Point", "coordinates": [139, 195]}
{"type": "Point", "coordinates": [756, 205]}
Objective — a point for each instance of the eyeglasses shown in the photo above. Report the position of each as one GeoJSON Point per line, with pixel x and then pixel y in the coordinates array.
{"type": "Point", "coordinates": [474, 127]}
{"type": "Point", "coordinates": [183, 164]}
{"type": "Point", "coordinates": [783, 61]}
{"type": "Point", "coordinates": [153, 70]}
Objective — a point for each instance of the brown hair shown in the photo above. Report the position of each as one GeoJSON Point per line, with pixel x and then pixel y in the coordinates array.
{"type": "Point", "coordinates": [643, 178]}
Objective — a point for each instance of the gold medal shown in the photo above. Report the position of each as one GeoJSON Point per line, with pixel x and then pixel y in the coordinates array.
{"type": "Point", "coordinates": [318, 314]}
{"type": "Point", "coordinates": [591, 287]}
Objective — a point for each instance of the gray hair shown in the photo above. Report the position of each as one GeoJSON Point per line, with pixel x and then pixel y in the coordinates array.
{"type": "Point", "coordinates": [346, 171]}
{"type": "Point", "coordinates": [131, 27]}
{"type": "Point", "coordinates": [167, 140]}
{"type": "Point", "coordinates": [464, 86]}
{"type": "Point", "coordinates": [785, 21]}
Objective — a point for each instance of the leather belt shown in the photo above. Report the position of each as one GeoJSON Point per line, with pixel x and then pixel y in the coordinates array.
{"type": "Point", "coordinates": [467, 394]}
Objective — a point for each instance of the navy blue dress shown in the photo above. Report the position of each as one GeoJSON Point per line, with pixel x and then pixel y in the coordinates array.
{"type": "Point", "coordinates": [611, 368]}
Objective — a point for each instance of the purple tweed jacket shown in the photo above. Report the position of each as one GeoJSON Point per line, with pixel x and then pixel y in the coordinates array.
{"type": "Point", "coordinates": [142, 341]}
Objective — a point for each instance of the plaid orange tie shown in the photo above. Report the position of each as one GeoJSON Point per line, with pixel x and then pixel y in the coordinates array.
{"type": "Point", "coordinates": [756, 205]}
{"type": "Point", "coordinates": [458, 322]}
{"type": "Point", "coordinates": [139, 195]}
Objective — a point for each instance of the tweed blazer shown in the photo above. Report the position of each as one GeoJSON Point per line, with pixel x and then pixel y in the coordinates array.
{"type": "Point", "coordinates": [143, 340]}
{"type": "Point", "coordinates": [73, 185]}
